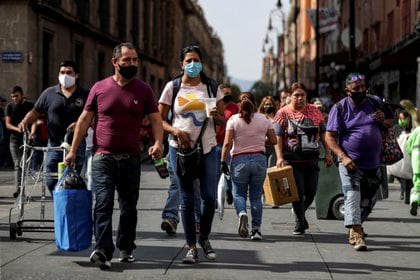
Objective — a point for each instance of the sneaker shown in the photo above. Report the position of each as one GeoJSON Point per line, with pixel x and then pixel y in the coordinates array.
{"type": "Point", "coordinates": [125, 256]}
{"type": "Point", "coordinates": [352, 237]}
{"type": "Point", "coordinates": [413, 210]}
{"type": "Point", "coordinates": [169, 226]}
{"type": "Point", "coordinates": [208, 250]}
{"type": "Point", "coordinates": [243, 226]}
{"type": "Point", "coordinates": [360, 244]}
{"type": "Point", "coordinates": [229, 197]}
{"type": "Point", "coordinates": [191, 256]}
{"type": "Point", "coordinates": [256, 235]}
{"type": "Point", "coordinates": [16, 193]}
{"type": "Point", "coordinates": [299, 230]}
{"type": "Point", "coordinates": [98, 257]}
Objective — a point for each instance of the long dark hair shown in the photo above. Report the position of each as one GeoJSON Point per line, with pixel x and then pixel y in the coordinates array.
{"type": "Point", "coordinates": [247, 106]}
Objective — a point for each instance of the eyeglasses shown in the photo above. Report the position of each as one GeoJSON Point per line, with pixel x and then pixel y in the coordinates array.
{"type": "Point", "coordinates": [191, 48]}
{"type": "Point", "coordinates": [353, 77]}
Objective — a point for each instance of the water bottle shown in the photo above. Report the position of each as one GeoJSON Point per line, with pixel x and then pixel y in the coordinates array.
{"type": "Point", "coordinates": [161, 168]}
{"type": "Point", "coordinates": [61, 167]}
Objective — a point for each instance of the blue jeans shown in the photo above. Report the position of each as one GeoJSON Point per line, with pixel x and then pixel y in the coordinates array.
{"type": "Point", "coordinates": [248, 171]}
{"type": "Point", "coordinates": [306, 177]}
{"type": "Point", "coordinates": [54, 157]}
{"type": "Point", "coordinates": [110, 172]}
{"type": "Point", "coordinates": [359, 194]}
{"type": "Point", "coordinates": [170, 210]}
{"type": "Point", "coordinates": [17, 152]}
{"type": "Point", "coordinates": [208, 186]}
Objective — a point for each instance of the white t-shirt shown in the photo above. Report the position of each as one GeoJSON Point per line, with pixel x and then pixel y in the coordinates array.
{"type": "Point", "coordinates": [189, 113]}
{"type": "Point", "coordinates": [249, 137]}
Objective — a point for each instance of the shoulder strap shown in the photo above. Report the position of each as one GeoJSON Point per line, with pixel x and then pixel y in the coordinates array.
{"type": "Point", "coordinates": [176, 85]}
{"type": "Point", "coordinates": [374, 102]}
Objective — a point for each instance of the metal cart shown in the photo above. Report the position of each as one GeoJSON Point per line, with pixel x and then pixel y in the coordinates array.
{"type": "Point", "coordinates": [32, 180]}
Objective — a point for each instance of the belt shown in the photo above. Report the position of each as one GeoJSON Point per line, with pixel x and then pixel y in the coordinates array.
{"type": "Point", "coordinates": [248, 153]}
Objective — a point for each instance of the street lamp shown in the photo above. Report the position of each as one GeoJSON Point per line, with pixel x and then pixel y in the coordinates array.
{"type": "Point", "coordinates": [281, 39]}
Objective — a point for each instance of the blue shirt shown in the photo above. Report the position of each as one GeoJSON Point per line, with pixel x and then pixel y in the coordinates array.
{"type": "Point", "coordinates": [61, 111]}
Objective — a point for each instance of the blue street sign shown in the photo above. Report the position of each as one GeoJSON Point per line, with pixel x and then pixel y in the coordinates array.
{"type": "Point", "coordinates": [12, 57]}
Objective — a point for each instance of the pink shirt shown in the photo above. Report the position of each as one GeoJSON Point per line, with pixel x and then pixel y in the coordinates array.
{"type": "Point", "coordinates": [249, 137]}
{"type": "Point", "coordinates": [119, 112]}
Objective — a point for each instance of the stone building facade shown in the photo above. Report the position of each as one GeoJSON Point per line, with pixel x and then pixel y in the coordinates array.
{"type": "Point", "coordinates": [36, 35]}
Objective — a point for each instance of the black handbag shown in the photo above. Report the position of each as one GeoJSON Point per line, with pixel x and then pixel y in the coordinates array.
{"type": "Point", "coordinates": [190, 161]}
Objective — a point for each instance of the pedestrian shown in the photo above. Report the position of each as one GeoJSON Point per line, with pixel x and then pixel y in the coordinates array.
{"type": "Point", "coordinates": [188, 120]}
{"type": "Point", "coordinates": [302, 128]}
{"type": "Point", "coordinates": [15, 112]}
{"type": "Point", "coordinates": [246, 132]}
{"type": "Point", "coordinates": [116, 107]}
{"type": "Point", "coordinates": [352, 121]}
{"type": "Point", "coordinates": [268, 108]}
{"type": "Point", "coordinates": [230, 108]}
{"type": "Point", "coordinates": [62, 104]}
{"type": "Point", "coordinates": [402, 169]}
{"type": "Point", "coordinates": [413, 149]}
{"type": "Point", "coordinates": [284, 98]}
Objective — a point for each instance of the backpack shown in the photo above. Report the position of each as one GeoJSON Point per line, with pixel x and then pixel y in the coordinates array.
{"type": "Point", "coordinates": [212, 87]}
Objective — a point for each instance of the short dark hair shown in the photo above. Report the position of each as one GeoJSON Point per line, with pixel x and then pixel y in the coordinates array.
{"type": "Point", "coordinates": [70, 63]}
{"type": "Point", "coordinates": [116, 53]}
{"type": "Point", "coordinates": [192, 48]}
{"type": "Point", "coordinates": [16, 89]}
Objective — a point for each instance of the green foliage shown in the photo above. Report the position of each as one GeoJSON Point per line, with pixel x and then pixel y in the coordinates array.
{"type": "Point", "coordinates": [260, 89]}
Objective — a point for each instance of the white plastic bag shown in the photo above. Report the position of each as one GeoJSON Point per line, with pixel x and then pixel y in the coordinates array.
{"type": "Point", "coordinates": [402, 168]}
{"type": "Point", "coordinates": [221, 195]}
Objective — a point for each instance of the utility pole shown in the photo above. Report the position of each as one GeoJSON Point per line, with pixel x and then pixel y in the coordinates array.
{"type": "Point", "coordinates": [352, 37]}
{"type": "Point", "coordinates": [317, 39]}
{"type": "Point", "coordinates": [296, 41]}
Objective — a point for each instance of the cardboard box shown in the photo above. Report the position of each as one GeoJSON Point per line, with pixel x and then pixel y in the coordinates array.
{"type": "Point", "coordinates": [279, 186]}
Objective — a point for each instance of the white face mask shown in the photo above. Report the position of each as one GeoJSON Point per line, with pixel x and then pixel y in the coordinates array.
{"type": "Point", "coordinates": [66, 81]}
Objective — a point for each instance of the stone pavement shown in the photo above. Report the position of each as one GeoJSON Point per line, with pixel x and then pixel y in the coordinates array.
{"type": "Point", "coordinates": [323, 253]}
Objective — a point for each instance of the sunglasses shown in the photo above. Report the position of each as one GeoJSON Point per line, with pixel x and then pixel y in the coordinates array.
{"type": "Point", "coordinates": [355, 77]}
{"type": "Point", "coordinates": [191, 48]}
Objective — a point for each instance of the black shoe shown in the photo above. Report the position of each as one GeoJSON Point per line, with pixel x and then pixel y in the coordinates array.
{"type": "Point", "coordinates": [169, 226]}
{"type": "Point", "coordinates": [16, 193]}
{"type": "Point", "coordinates": [413, 209]}
{"type": "Point", "coordinates": [229, 197]}
{"type": "Point", "coordinates": [208, 250]}
{"type": "Point", "coordinates": [98, 257]}
{"type": "Point", "coordinates": [299, 230]}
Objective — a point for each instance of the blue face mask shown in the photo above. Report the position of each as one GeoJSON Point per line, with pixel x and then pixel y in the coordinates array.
{"type": "Point", "coordinates": [193, 69]}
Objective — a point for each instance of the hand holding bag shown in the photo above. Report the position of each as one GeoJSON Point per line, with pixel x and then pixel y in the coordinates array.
{"type": "Point", "coordinates": [391, 151]}
{"type": "Point", "coordinates": [73, 226]}
{"type": "Point", "coordinates": [190, 161]}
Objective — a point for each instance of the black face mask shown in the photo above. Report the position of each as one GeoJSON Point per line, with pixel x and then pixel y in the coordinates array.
{"type": "Point", "coordinates": [358, 96]}
{"type": "Point", "coordinates": [128, 72]}
{"type": "Point", "coordinates": [269, 109]}
{"type": "Point", "coordinates": [227, 98]}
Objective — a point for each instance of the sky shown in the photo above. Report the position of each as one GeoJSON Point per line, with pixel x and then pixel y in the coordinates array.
{"type": "Point", "coordinates": [242, 27]}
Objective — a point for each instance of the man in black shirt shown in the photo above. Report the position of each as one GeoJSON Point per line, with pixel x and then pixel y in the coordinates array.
{"type": "Point", "coordinates": [63, 104]}
{"type": "Point", "coordinates": [15, 112]}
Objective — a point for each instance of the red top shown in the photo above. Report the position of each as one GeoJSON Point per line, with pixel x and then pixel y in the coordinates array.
{"type": "Point", "coordinates": [230, 109]}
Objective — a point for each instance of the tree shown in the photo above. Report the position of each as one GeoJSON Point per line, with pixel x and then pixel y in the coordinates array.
{"type": "Point", "coordinates": [260, 89]}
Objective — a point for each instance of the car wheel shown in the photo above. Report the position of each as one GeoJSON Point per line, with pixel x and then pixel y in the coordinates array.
{"type": "Point", "coordinates": [337, 208]}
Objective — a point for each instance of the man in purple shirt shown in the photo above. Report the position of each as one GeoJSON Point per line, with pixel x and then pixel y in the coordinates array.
{"type": "Point", "coordinates": [357, 121]}
{"type": "Point", "coordinates": [115, 109]}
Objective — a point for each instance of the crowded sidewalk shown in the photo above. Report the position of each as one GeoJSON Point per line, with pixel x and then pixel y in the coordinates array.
{"type": "Point", "coordinates": [322, 253]}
